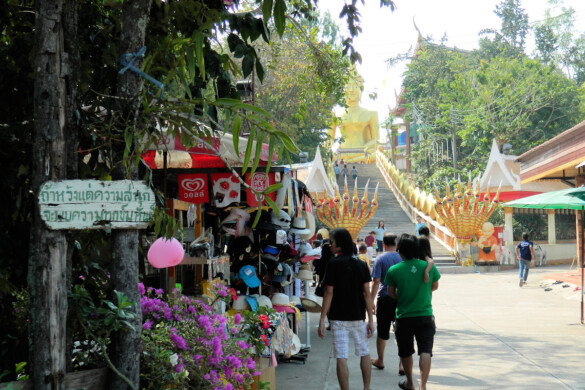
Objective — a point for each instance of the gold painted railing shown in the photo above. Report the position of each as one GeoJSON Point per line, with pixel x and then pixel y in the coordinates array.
{"type": "Point", "coordinates": [414, 201]}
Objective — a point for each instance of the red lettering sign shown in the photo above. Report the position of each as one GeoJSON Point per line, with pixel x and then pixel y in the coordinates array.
{"type": "Point", "coordinates": [193, 188]}
{"type": "Point", "coordinates": [258, 181]}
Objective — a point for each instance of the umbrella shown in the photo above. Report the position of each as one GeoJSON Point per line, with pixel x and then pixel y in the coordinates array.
{"type": "Point", "coordinates": [571, 198]}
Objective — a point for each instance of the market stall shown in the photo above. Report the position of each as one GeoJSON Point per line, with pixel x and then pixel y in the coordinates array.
{"type": "Point", "coordinates": [231, 236]}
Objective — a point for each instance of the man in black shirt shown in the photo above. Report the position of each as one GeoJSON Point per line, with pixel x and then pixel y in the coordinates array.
{"type": "Point", "coordinates": [347, 299]}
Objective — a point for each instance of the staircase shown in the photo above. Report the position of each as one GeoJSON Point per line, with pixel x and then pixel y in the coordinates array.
{"type": "Point", "coordinates": [389, 211]}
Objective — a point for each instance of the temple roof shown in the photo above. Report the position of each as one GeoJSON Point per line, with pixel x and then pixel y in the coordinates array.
{"type": "Point", "coordinates": [504, 170]}
{"type": "Point", "coordinates": [557, 158]}
{"type": "Point", "coordinates": [317, 180]}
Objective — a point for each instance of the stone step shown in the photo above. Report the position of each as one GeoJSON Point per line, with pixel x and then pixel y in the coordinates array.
{"type": "Point", "coordinates": [389, 210]}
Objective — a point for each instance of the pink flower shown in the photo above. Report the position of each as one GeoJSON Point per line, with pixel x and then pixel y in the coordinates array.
{"type": "Point", "coordinates": [237, 318]}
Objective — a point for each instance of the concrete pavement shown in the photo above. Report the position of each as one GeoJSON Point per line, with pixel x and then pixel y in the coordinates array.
{"type": "Point", "coordinates": [491, 334]}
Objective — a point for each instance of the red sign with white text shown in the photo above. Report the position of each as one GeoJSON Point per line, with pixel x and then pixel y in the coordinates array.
{"type": "Point", "coordinates": [193, 188]}
{"type": "Point", "coordinates": [258, 181]}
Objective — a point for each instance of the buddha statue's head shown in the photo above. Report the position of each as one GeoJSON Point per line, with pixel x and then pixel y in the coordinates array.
{"type": "Point", "coordinates": [354, 87]}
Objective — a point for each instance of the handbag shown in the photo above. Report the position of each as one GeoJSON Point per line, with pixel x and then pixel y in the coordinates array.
{"type": "Point", "coordinates": [320, 290]}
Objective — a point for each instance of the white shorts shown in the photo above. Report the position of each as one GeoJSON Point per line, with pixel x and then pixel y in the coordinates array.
{"type": "Point", "coordinates": [370, 251]}
{"type": "Point", "coordinates": [341, 331]}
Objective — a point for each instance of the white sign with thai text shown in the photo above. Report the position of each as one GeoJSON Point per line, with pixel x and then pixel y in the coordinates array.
{"type": "Point", "coordinates": [94, 204]}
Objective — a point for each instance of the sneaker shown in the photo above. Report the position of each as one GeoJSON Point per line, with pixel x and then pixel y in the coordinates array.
{"type": "Point", "coordinates": [521, 283]}
{"type": "Point", "coordinates": [525, 282]}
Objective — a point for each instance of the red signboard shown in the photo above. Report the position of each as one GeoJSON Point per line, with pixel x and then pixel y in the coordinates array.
{"type": "Point", "coordinates": [193, 188]}
{"type": "Point", "coordinates": [258, 181]}
{"type": "Point", "coordinates": [200, 147]}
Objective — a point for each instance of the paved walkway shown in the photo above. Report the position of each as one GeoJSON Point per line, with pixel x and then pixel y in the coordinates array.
{"type": "Point", "coordinates": [491, 334]}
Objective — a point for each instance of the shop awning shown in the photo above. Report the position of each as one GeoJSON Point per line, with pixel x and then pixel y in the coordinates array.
{"type": "Point", "coordinates": [200, 156]}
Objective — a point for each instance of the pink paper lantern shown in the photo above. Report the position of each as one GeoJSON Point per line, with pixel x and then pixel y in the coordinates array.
{"type": "Point", "coordinates": [165, 253]}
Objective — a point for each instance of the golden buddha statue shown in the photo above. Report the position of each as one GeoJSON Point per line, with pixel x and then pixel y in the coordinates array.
{"type": "Point", "coordinates": [359, 126]}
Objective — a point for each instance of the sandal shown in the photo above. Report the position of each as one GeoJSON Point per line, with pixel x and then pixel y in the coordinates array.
{"type": "Point", "coordinates": [375, 364]}
{"type": "Point", "coordinates": [402, 385]}
{"type": "Point", "coordinates": [401, 372]}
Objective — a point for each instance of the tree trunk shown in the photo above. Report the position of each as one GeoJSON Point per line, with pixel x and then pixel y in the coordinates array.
{"type": "Point", "coordinates": [454, 142]}
{"type": "Point", "coordinates": [47, 275]}
{"type": "Point", "coordinates": [71, 132]}
{"type": "Point", "coordinates": [125, 351]}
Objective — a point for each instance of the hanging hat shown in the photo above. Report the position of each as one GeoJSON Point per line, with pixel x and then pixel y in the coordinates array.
{"type": "Point", "coordinates": [241, 303]}
{"type": "Point", "coordinates": [288, 275]}
{"type": "Point", "coordinates": [294, 300]}
{"type": "Point", "coordinates": [306, 266]}
{"type": "Point", "coordinates": [309, 258]}
{"type": "Point", "coordinates": [312, 303]}
{"type": "Point", "coordinates": [270, 252]}
{"type": "Point", "coordinates": [307, 250]}
{"type": "Point", "coordinates": [310, 222]}
{"type": "Point", "coordinates": [299, 226]}
{"type": "Point", "coordinates": [270, 249]}
{"type": "Point", "coordinates": [304, 274]}
{"type": "Point", "coordinates": [287, 252]}
{"type": "Point", "coordinates": [281, 303]}
{"type": "Point", "coordinates": [263, 301]}
{"type": "Point", "coordinates": [281, 219]}
{"type": "Point", "coordinates": [248, 275]}
{"type": "Point", "coordinates": [265, 221]}
{"type": "Point", "coordinates": [240, 247]}
{"type": "Point", "coordinates": [304, 248]}
{"type": "Point", "coordinates": [277, 273]}
{"type": "Point", "coordinates": [324, 233]}
{"type": "Point", "coordinates": [280, 237]}
{"type": "Point", "coordinates": [252, 302]}
{"type": "Point", "coordinates": [280, 299]}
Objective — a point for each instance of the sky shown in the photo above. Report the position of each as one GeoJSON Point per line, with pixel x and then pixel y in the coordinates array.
{"type": "Point", "coordinates": [386, 34]}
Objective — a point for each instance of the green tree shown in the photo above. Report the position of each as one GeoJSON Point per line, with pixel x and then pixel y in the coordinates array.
{"type": "Point", "coordinates": [306, 78]}
{"type": "Point", "coordinates": [557, 41]}
{"type": "Point", "coordinates": [510, 40]}
{"type": "Point", "coordinates": [459, 102]}
{"type": "Point", "coordinates": [83, 103]}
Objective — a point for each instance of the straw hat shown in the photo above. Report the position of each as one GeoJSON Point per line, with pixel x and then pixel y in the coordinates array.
{"type": "Point", "coordinates": [304, 274]}
{"type": "Point", "coordinates": [299, 226]}
{"type": "Point", "coordinates": [295, 300]}
{"type": "Point", "coordinates": [281, 303]}
{"type": "Point", "coordinates": [280, 299]}
{"type": "Point", "coordinates": [241, 303]}
{"type": "Point", "coordinates": [310, 218]}
{"type": "Point", "coordinates": [263, 301]}
{"type": "Point", "coordinates": [312, 303]}
{"type": "Point", "coordinates": [324, 233]}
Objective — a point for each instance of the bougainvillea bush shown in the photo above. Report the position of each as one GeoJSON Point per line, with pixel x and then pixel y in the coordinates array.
{"type": "Point", "coordinates": [187, 346]}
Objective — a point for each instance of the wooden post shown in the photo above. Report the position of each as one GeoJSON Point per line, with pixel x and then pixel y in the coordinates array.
{"type": "Point", "coordinates": [579, 181]}
{"type": "Point", "coordinates": [47, 268]}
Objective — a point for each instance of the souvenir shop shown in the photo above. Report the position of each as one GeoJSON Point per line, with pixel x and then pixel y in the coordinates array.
{"type": "Point", "coordinates": [265, 258]}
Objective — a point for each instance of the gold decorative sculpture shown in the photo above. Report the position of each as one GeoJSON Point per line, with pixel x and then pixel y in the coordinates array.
{"type": "Point", "coordinates": [464, 213]}
{"type": "Point", "coordinates": [336, 212]}
{"type": "Point", "coordinates": [359, 126]}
